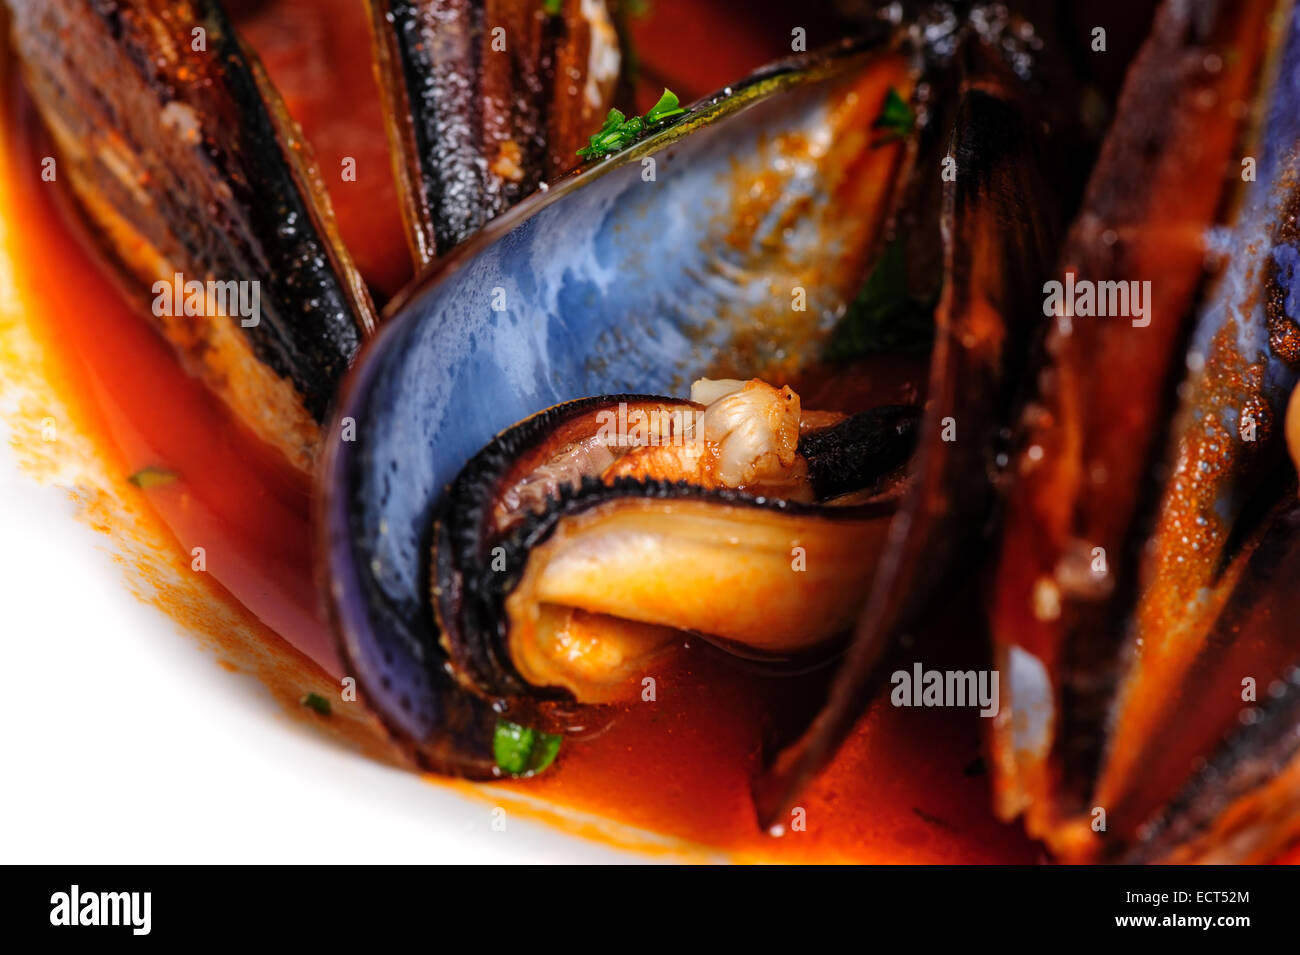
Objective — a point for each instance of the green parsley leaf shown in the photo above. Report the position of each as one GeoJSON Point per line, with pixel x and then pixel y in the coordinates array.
{"type": "Point", "coordinates": [553, 7]}
{"type": "Point", "coordinates": [619, 131]}
{"type": "Point", "coordinates": [314, 701]}
{"type": "Point", "coordinates": [884, 317]}
{"type": "Point", "coordinates": [522, 750]}
{"type": "Point", "coordinates": [666, 108]}
{"type": "Point", "coordinates": [896, 117]}
{"type": "Point", "coordinates": [152, 477]}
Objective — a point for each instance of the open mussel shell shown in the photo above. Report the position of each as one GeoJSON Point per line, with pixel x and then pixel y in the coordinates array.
{"type": "Point", "coordinates": [635, 275]}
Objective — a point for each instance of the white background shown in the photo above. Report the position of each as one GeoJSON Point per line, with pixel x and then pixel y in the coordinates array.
{"type": "Point", "coordinates": [122, 741]}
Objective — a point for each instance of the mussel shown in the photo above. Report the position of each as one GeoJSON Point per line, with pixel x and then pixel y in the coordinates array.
{"type": "Point", "coordinates": [682, 257]}
{"type": "Point", "coordinates": [671, 254]}
{"type": "Point", "coordinates": [580, 543]}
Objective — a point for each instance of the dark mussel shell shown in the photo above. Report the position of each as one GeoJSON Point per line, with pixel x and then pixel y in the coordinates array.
{"type": "Point", "coordinates": [485, 102]}
{"type": "Point", "coordinates": [634, 276]}
{"type": "Point", "coordinates": [183, 160]}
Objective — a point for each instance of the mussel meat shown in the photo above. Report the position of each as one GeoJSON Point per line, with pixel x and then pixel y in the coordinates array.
{"type": "Point", "coordinates": [582, 542]}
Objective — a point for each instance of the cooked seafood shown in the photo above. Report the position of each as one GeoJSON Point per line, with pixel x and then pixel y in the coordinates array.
{"type": "Point", "coordinates": [516, 523]}
{"type": "Point", "coordinates": [449, 371]}
{"type": "Point", "coordinates": [579, 544]}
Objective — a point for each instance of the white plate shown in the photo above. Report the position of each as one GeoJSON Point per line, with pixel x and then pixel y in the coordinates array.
{"type": "Point", "coordinates": [123, 741]}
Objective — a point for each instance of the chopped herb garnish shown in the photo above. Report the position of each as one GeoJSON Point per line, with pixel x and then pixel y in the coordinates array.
{"type": "Point", "coordinates": [314, 701]}
{"type": "Point", "coordinates": [521, 750]}
{"type": "Point", "coordinates": [665, 109]}
{"type": "Point", "coordinates": [885, 317]}
{"type": "Point", "coordinates": [615, 133]}
{"type": "Point", "coordinates": [619, 131]}
{"type": "Point", "coordinates": [553, 7]}
{"type": "Point", "coordinates": [152, 477]}
{"type": "Point", "coordinates": [896, 118]}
